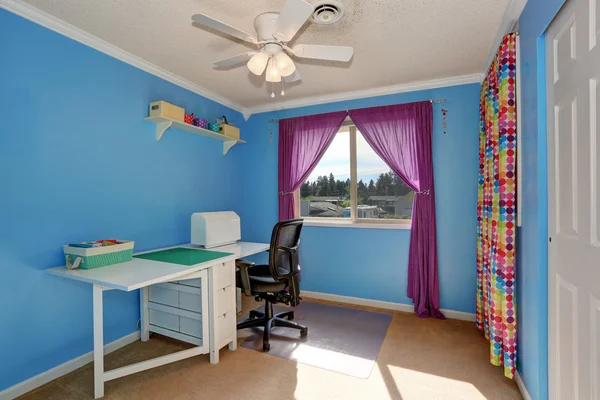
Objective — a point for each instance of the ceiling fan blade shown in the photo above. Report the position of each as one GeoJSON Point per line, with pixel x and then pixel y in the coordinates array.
{"type": "Point", "coordinates": [223, 27]}
{"type": "Point", "coordinates": [323, 52]}
{"type": "Point", "coordinates": [291, 18]}
{"type": "Point", "coordinates": [293, 77]}
{"type": "Point", "coordinates": [231, 61]}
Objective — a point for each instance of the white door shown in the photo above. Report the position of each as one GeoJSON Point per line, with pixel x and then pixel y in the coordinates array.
{"type": "Point", "coordinates": [573, 101]}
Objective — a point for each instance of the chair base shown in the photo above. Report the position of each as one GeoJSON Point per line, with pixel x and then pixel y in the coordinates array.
{"type": "Point", "coordinates": [268, 320]}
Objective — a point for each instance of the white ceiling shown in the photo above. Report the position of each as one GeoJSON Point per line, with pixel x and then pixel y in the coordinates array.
{"type": "Point", "coordinates": [395, 41]}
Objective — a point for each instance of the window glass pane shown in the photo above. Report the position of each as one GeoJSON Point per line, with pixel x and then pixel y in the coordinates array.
{"type": "Point", "coordinates": [381, 194]}
{"type": "Point", "coordinates": [326, 193]}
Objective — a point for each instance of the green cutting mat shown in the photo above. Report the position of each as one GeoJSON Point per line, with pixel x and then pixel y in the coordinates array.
{"type": "Point", "coordinates": [183, 256]}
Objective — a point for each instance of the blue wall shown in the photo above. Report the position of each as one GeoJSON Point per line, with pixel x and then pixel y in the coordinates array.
{"type": "Point", "coordinates": [78, 162]}
{"type": "Point", "coordinates": [532, 255]}
{"type": "Point", "coordinates": [372, 263]}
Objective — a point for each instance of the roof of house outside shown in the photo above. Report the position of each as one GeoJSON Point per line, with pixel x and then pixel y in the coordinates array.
{"type": "Point", "coordinates": [385, 198]}
{"type": "Point", "coordinates": [366, 207]}
{"type": "Point", "coordinates": [325, 198]}
{"type": "Point", "coordinates": [326, 209]}
{"type": "Point", "coordinates": [409, 196]}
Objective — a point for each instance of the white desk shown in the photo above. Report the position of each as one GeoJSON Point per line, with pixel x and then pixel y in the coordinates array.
{"type": "Point", "coordinates": [215, 275]}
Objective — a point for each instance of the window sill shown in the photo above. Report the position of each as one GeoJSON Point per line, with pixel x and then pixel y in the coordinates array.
{"type": "Point", "coordinates": [359, 225]}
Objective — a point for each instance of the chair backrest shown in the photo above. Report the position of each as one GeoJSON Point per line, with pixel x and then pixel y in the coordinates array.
{"type": "Point", "coordinates": [283, 253]}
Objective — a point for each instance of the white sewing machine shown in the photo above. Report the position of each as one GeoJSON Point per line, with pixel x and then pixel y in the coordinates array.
{"type": "Point", "coordinates": [212, 229]}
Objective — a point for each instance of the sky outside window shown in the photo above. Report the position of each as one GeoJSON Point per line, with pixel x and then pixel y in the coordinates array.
{"type": "Point", "coordinates": [336, 160]}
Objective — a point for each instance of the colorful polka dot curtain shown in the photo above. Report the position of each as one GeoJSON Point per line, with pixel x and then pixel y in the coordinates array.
{"type": "Point", "coordinates": [496, 208]}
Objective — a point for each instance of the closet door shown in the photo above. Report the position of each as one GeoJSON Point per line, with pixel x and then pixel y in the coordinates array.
{"type": "Point", "coordinates": [573, 72]}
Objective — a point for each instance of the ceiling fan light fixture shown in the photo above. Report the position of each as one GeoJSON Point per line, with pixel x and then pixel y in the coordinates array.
{"type": "Point", "coordinates": [273, 73]}
{"type": "Point", "coordinates": [274, 31]}
{"type": "Point", "coordinates": [285, 64]}
{"type": "Point", "coordinates": [258, 63]}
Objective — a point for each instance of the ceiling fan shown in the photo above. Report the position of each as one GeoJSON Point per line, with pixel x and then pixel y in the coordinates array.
{"type": "Point", "coordinates": [273, 32]}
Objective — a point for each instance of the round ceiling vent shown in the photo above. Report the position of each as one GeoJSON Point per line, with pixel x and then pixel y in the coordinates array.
{"type": "Point", "coordinates": [327, 12]}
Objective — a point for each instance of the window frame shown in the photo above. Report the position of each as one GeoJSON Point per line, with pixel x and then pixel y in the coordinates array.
{"type": "Point", "coordinates": [353, 221]}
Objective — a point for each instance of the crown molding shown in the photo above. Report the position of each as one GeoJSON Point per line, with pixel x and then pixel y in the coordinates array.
{"type": "Point", "coordinates": [51, 22]}
{"type": "Point", "coordinates": [246, 113]}
{"type": "Point", "coordinates": [361, 94]}
{"type": "Point", "coordinates": [509, 20]}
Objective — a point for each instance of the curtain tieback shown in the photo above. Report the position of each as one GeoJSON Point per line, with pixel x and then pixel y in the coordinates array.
{"type": "Point", "coordinates": [282, 193]}
{"type": "Point", "coordinates": [423, 192]}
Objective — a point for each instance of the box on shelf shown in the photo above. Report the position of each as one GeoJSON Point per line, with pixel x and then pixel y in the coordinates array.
{"type": "Point", "coordinates": [230, 131]}
{"type": "Point", "coordinates": [77, 256]}
{"type": "Point", "coordinates": [166, 110]}
{"type": "Point", "coordinates": [200, 122]}
{"type": "Point", "coordinates": [213, 126]}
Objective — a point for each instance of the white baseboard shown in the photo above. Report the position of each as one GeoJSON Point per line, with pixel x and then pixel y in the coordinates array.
{"type": "Point", "coordinates": [522, 387]}
{"type": "Point", "coordinates": [63, 369]}
{"type": "Point", "coordinates": [387, 305]}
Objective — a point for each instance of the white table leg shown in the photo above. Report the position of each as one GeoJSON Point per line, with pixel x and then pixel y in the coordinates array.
{"type": "Point", "coordinates": [233, 344]}
{"type": "Point", "coordinates": [98, 343]}
{"type": "Point", "coordinates": [214, 351]}
{"type": "Point", "coordinates": [145, 333]}
{"type": "Point", "coordinates": [214, 356]}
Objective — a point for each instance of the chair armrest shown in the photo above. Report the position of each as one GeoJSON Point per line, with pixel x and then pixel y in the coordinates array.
{"type": "Point", "coordinates": [243, 266]}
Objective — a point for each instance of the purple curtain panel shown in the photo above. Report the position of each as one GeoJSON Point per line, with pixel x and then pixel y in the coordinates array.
{"type": "Point", "coordinates": [402, 136]}
{"type": "Point", "coordinates": [302, 143]}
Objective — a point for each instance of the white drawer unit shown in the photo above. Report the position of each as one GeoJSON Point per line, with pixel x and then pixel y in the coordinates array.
{"type": "Point", "coordinates": [180, 309]}
{"type": "Point", "coordinates": [196, 309]}
{"type": "Point", "coordinates": [222, 308]}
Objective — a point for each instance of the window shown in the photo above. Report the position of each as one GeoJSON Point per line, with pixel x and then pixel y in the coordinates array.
{"type": "Point", "coordinates": [352, 184]}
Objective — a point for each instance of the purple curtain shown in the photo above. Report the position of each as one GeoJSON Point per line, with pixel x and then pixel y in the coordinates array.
{"type": "Point", "coordinates": [401, 136]}
{"type": "Point", "coordinates": [302, 143]}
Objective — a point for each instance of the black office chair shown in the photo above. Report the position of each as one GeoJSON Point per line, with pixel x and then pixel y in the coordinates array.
{"type": "Point", "coordinates": [269, 282]}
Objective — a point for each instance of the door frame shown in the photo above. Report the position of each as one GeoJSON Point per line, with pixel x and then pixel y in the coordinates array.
{"type": "Point", "coordinates": [544, 217]}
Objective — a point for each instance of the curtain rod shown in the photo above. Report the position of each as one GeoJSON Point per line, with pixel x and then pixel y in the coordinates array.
{"type": "Point", "coordinates": [432, 101]}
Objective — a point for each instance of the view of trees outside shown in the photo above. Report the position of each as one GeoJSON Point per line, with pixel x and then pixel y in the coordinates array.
{"type": "Point", "coordinates": [387, 184]}
{"type": "Point", "coordinates": [380, 193]}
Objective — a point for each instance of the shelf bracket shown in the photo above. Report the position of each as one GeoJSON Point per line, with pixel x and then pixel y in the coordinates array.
{"type": "Point", "coordinates": [161, 127]}
{"type": "Point", "coordinates": [227, 145]}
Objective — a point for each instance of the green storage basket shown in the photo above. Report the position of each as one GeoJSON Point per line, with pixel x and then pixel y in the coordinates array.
{"type": "Point", "coordinates": [95, 257]}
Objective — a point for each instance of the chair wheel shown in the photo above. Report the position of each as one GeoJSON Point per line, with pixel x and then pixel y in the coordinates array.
{"type": "Point", "coordinates": [266, 346]}
{"type": "Point", "coordinates": [304, 332]}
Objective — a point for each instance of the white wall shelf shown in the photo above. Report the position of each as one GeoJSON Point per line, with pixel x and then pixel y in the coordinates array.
{"type": "Point", "coordinates": [162, 124]}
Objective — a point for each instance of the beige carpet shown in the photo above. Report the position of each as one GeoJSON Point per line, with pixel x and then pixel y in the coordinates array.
{"type": "Point", "coordinates": [421, 359]}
